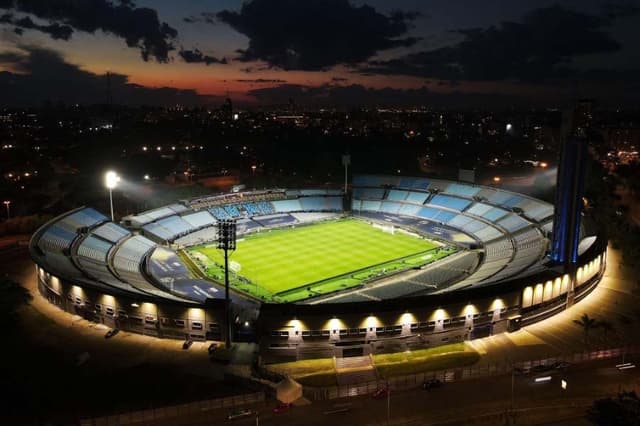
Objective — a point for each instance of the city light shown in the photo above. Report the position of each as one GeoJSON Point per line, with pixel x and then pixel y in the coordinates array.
{"type": "Point", "coordinates": [497, 179]}
{"type": "Point", "coordinates": [111, 180]}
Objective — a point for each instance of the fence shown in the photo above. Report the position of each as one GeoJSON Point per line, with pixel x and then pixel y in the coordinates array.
{"type": "Point", "coordinates": [459, 374]}
{"type": "Point", "coordinates": [182, 410]}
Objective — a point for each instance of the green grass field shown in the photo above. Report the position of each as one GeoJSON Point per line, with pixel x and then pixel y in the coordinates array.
{"type": "Point", "coordinates": [290, 264]}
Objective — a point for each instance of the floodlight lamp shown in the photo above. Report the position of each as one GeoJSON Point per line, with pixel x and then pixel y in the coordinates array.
{"type": "Point", "coordinates": [111, 179]}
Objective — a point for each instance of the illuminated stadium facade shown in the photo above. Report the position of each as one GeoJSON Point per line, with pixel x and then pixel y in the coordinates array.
{"type": "Point", "coordinates": [484, 268]}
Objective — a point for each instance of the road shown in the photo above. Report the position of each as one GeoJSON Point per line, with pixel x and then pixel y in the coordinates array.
{"type": "Point", "coordinates": [480, 402]}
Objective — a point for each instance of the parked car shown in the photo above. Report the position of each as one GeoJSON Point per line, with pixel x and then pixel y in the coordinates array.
{"type": "Point", "coordinates": [381, 393]}
{"type": "Point", "coordinates": [519, 371]}
{"type": "Point", "coordinates": [212, 347]}
{"type": "Point", "coordinates": [561, 365]}
{"type": "Point", "coordinates": [111, 333]}
{"type": "Point", "coordinates": [283, 407]}
{"type": "Point", "coordinates": [432, 384]}
{"type": "Point", "coordinates": [541, 368]}
{"type": "Point", "coordinates": [239, 413]}
{"type": "Point", "coordinates": [187, 344]}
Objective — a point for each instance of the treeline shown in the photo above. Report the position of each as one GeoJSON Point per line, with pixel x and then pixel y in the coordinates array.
{"type": "Point", "coordinates": [604, 209]}
{"type": "Point", "coordinates": [23, 224]}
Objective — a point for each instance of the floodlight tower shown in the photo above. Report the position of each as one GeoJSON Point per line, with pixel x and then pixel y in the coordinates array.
{"type": "Point", "coordinates": [7, 203]}
{"type": "Point", "coordinates": [226, 242]}
{"type": "Point", "coordinates": [346, 161]}
{"type": "Point", "coordinates": [111, 180]}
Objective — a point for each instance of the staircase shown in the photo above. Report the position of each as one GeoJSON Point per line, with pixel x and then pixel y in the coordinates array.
{"type": "Point", "coordinates": [352, 370]}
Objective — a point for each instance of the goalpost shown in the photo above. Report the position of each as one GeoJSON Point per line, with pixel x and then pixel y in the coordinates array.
{"type": "Point", "coordinates": [390, 229]}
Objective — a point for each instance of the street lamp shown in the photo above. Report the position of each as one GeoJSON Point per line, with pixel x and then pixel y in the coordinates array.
{"type": "Point", "coordinates": [111, 180]}
{"type": "Point", "coordinates": [7, 203]}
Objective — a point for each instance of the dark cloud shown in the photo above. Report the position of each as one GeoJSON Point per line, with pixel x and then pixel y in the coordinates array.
{"type": "Point", "coordinates": [207, 17]}
{"type": "Point", "coordinates": [196, 56]}
{"type": "Point", "coordinates": [316, 34]}
{"type": "Point", "coordinates": [138, 26]}
{"type": "Point", "coordinates": [539, 47]}
{"type": "Point", "coordinates": [43, 75]}
{"type": "Point", "coordinates": [55, 30]}
{"type": "Point", "coordinates": [260, 80]}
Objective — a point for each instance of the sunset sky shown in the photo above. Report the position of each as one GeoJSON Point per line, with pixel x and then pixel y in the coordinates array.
{"type": "Point", "coordinates": [269, 50]}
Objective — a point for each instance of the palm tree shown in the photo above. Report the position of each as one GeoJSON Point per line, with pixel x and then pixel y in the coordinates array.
{"type": "Point", "coordinates": [587, 323]}
{"type": "Point", "coordinates": [12, 297]}
{"type": "Point", "coordinates": [606, 327]}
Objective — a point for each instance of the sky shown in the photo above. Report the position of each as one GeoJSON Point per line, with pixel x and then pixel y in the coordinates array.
{"type": "Point", "coordinates": [406, 52]}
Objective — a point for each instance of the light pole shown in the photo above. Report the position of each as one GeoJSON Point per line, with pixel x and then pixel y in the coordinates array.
{"type": "Point", "coordinates": [226, 242]}
{"type": "Point", "coordinates": [7, 203]}
{"type": "Point", "coordinates": [111, 179]}
{"type": "Point", "coordinates": [346, 161]}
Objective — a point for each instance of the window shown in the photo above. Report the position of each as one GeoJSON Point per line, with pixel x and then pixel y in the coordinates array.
{"type": "Point", "coordinates": [306, 334]}
{"type": "Point", "coordinates": [316, 333]}
{"type": "Point", "coordinates": [214, 327]}
{"type": "Point", "coordinates": [122, 313]}
{"type": "Point", "coordinates": [414, 326]}
{"type": "Point", "coordinates": [343, 332]}
{"type": "Point", "coordinates": [275, 334]}
{"type": "Point", "coordinates": [179, 323]}
{"type": "Point", "coordinates": [98, 307]}
{"type": "Point", "coordinates": [325, 333]}
{"type": "Point", "coordinates": [109, 311]}
{"type": "Point", "coordinates": [284, 334]}
{"type": "Point", "coordinates": [149, 320]}
{"type": "Point", "coordinates": [164, 320]}
{"type": "Point", "coordinates": [136, 320]}
{"type": "Point", "coordinates": [195, 325]}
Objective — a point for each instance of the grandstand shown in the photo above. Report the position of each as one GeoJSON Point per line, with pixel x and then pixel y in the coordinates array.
{"type": "Point", "coordinates": [420, 259]}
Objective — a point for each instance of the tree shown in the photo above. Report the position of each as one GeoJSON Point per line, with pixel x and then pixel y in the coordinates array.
{"type": "Point", "coordinates": [619, 411]}
{"type": "Point", "coordinates": [587, 323]}
{"type": "Point", "coordinates": [12, 297]}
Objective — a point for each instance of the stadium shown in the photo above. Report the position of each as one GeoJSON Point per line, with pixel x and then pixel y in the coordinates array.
{"type": "Point", "coordinates": [394, 263]}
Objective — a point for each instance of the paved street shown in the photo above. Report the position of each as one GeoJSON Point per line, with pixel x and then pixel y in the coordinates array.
{"type": "Point", "coordinates": [482, 402]}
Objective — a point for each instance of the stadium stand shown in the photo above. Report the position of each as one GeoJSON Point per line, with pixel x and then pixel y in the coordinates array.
{"type": "Point", "coordinates": [219, 213]}
{"type": "Point", "coordinates": [199, 219]}
{"type": "Point", "coordinates": [275, 220]}
{"type": "Point", "coordinates": [312, 203]}
{"type": "Point", "coordinates": [111, 232]}
{"type": "Point", "coordinates": [461, 190]}
{"type": "Point", "coordinates": [309, 217]}
{"type": "Point", "coordinates": [417, 197]}
{"type": "Point", "coordinates": [285, 206]}
{"type": "Point", "coordinates": [452, 203]}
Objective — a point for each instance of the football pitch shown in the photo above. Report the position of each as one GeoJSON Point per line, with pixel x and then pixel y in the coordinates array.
{"type": "Point", "coordinates": [294, 263]}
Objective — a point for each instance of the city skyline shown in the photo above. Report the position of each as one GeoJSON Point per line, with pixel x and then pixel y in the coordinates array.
{"type": "Point", "coordinates": [318, 52]}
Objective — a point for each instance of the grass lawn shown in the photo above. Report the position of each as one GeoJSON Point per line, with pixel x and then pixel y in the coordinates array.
{"type": "Point", "coordinates": [294, 263]}
{"type": "Point", "coordinates": [455, 355]}
{"type": "Point", "coordinates": [309, 372]}
{"type": "Point", "coordinates": [321, 372]}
